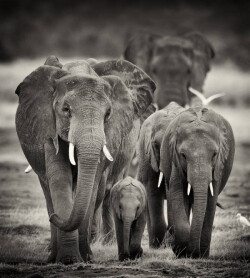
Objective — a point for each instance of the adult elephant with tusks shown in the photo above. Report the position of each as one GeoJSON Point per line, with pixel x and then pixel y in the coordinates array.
{"type": "Point", "coordinates": [77, 126]}
{"type": "Point", "coordinates": [187, 156]}
{"type": "Point", "coordinates": [174, 63]}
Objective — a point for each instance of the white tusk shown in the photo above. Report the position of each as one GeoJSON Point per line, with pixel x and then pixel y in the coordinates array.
{"type": "Point", "coordinates": [160, 179]}
{"type": "Point", "coordinates": [189, 189]}
{"type": "Point", "coordinates": [107, 153]}
{"type": "Point", "coordinates": [211, 189]}
{"type": "Point", "coordinates": [71, 154]}
{"type": "Point", "coordinates": [28, 169]}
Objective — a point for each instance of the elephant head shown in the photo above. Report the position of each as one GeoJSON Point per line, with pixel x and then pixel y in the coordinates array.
{"type": "Point", "coordinates": [196, 158]}
{"type": "Point", "coordinates": [128, 199]}
{"type": "Point", "coordinates": [175, 63]}
{"type": "Point", "coordinates": [90, 109]}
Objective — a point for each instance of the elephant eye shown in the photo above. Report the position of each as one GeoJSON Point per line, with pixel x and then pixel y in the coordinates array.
{"type": "Point", "coordinates": [183, 155]}
{"type": "Point", "coordinates": [66, 111]}
{"type": "Point", "coordinates": [154, 71]}
{"type": "Point", "coordinates": [108, 114]}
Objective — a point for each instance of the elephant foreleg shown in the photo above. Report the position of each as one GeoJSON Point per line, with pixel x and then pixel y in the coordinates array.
{"type": "Point", "coordinates": [108, 223]}
{"type": "Point", "coordinates": [206, 233]}
{"type": "Point", "coordinates": [60, 180]}
{"type": "Point", "coordinates": [137, 230]}
{"type": "Point", "coordinates": [156, 224]}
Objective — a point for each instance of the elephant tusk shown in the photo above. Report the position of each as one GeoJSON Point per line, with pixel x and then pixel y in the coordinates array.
{"type": "Point", "coordinates": [107, 153]}
{"type": "Point", "coordinates": [160, 179]}
{"type": "Point", "coordinates": [71, 154]}
{"type": "Point", "coordinates": [211, 189]}
{"type": "Point", "coordinates": [28, 169]}
{"type": "Point", "coordinates": [189, 189]}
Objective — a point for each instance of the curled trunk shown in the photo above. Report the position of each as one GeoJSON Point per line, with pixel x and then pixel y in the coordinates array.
{"type": "Point", "coordinates": [88, 155]}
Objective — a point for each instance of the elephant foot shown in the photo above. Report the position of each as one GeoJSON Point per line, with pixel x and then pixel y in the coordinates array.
{"type": "Point", "coordinates": [68, 256]}
{"type": "Point", "coordinates": [124, 257]}
{"type": "Point", "coordinates": [52, 258]}
{"type": "Point", "coordinates": [86, 253]}
{"type": "Point", "coordinates": [135, 252]}
{"type": "Point", "coordinates": [205, 252]}
{"type": "Point", "coordinates": [180, 251]}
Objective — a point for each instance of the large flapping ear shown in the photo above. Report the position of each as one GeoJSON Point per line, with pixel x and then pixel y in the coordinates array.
{"type": "Point", "coordinates": [35, 114]}
{"type": "Point", "coordinates": [139, 49]}
{"type": "Point", "coordinates": [225, 156]}
{"type": "Point", "coordinates": [201, 45]}
{"type": "Point", "coordinates": [149, 111]}
{"type": "Point", "coordinates": [139, 84]}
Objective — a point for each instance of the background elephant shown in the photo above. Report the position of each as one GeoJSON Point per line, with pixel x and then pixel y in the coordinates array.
{"type": "Point", "coordinates": [93, 113]}
{"type": "Point", "coordinates": [174, 63]}
{"type": "Point", "coordinates": [195, 153]}
{"type": "Point", "coordinates": [128, 201]}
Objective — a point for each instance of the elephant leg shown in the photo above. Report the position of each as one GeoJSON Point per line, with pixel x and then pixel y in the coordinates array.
{"type": "Point", "coordinates": [108, 223]}
{"type": "Point", "coordinates": [206, 233]}
{"type": "Point", "coordinates": [96, 225]}
{"type": "Point", "coordinates": [178, 214]}
{"type": "Point", "coordinates": [53, 230]}
{"type": "Point", "coordinates": [137, 230]}
{"type": "Point", "coordinates": [60, 181]}
{"type": "Point", "coordinates": [156, 223]}
{"type": "Point", "coordinates": [87, 223]}
{"type": "Point", "coordinates": [119, 237]}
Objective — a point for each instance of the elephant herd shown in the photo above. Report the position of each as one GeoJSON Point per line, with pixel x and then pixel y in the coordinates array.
{"type": "Point", "coordinates": [79, 125]}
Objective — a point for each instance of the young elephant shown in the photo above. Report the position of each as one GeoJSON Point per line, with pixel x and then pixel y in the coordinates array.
{"type": "Point", "coordinates": [193, 151]}
{"type": "Point", "coordinates": [128, 200]}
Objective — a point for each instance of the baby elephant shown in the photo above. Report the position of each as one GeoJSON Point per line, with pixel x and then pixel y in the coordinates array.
{"type": "Point", "coordinates": [128, 200]}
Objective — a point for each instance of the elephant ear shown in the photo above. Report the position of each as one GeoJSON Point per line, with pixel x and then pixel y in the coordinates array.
{"type": "Point", "coordinates": [115, 197]}
{"type": "Point", "coordinates": [35, 119]}
{"type": "Point", "coordinates": [225, 156]}
{"type": "Point", "coordinates": [141, 87]}
{"type": "Point", "coordinates": [201, 45]}
{"type": "Point", "coordinates": [139, 50]}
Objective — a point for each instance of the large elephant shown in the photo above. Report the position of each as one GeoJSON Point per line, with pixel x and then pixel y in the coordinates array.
{"type": "Point", "coordinates": [174, 63]}
{"type": "Point", "coordinates": [90, 113]}
{"type": "Point", "coordinates": [194, 149]}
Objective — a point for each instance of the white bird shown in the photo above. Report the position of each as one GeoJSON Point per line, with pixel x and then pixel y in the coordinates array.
{"type": "Point", "coordinates": [242, 220]}
{"type": "Point", "coordinates": [205, 101]}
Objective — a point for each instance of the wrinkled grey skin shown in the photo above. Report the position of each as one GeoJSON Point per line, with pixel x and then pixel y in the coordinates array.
{"type": "Point", "coordinates": [128, 201]}
{"type": "Point", "coordinates": [196, 146]}
{"type": "Point", "coordinates": [174, 63]}
{"type": "Point", "coordinates": [89, 107]}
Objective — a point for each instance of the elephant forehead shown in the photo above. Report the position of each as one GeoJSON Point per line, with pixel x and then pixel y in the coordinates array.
{"type": "Point", "coordinates": [198, 130]}
{"type": "Point", "coordinates": [173, 43]}
{"type": "Point", "coordinates": [83, 85]}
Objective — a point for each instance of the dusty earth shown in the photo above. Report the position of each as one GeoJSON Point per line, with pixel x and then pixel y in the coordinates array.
{"type": "Point", "coordinates": [24, 225]}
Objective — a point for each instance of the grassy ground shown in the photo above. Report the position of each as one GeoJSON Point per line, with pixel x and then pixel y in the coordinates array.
{"type": "Point", "coordinates": [24, 225]}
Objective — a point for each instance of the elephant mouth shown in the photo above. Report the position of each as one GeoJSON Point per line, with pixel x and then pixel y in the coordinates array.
{"type": "Point", "coordinates": [72, 153]}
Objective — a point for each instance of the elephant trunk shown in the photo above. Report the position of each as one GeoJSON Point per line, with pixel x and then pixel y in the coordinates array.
{"type": "Point", "coordinates": [199, 180]}
{"type": "Point", "coordinates": [127, 222]}
{"type": "Point", "coordinates": [177, 95]}
{"type": "Point", "coordinates": [88, 149]}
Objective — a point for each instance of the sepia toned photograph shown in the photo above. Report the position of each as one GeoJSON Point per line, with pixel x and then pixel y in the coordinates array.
{"type": "Point", "coordinates": [124, 138]}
